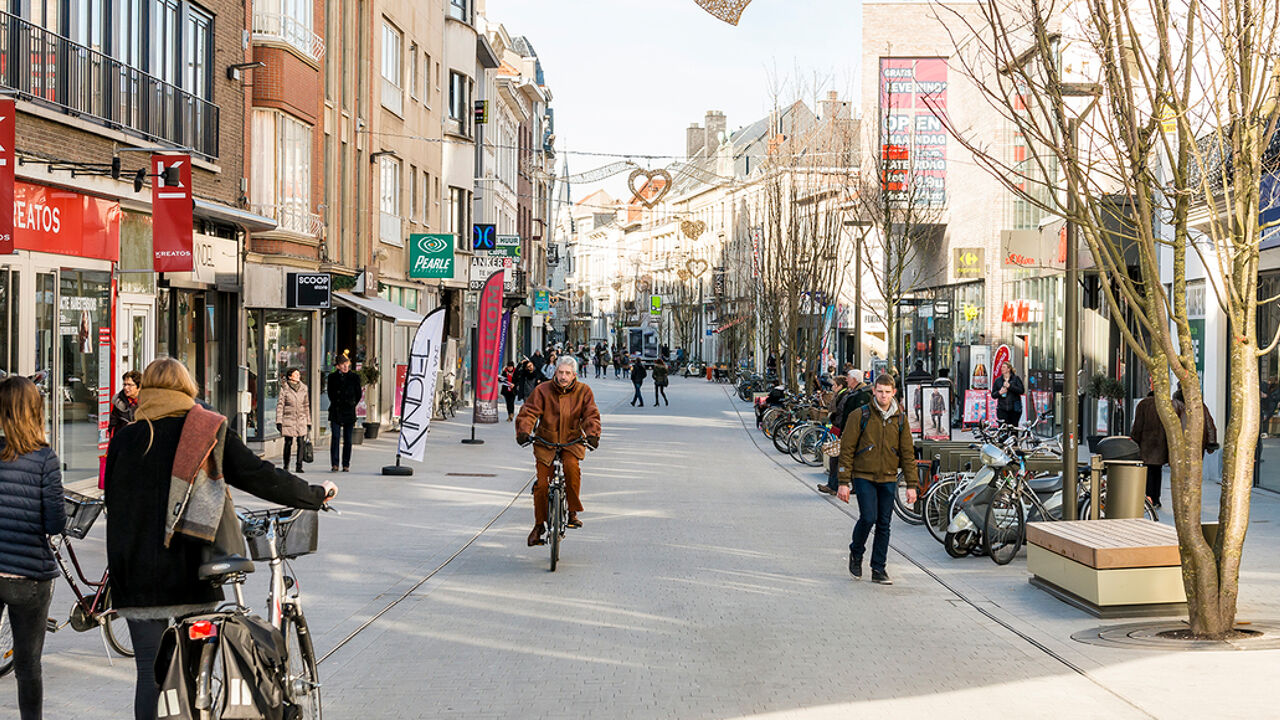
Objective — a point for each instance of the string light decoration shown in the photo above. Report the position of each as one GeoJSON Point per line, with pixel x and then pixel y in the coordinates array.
{"type": "Point", "coordinates": [726, 10]}
{"type": "Point", "coordinates": [693, 229]}
{"type": "Point", "coordinates": [651, 184]}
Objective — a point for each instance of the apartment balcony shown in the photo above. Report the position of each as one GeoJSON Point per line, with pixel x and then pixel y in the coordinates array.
{"type": "Point", "coordinates": [292, 217]}
{"type": "Point", "coordinates": [280, 28]}
{"type": "Point", "coordinates": [47, 68]}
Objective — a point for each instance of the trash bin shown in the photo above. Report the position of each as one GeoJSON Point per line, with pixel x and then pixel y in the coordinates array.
{"type": "Point", "coordinates": [1126, 489]}
{"type": "Point", "coordinates": [1126, 477]}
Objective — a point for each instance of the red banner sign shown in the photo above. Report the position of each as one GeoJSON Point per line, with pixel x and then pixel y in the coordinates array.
{"type": "Point", "coordinates": [171, 208]}
{"type": "Point", "coordinates": [489, 336]}
{"type": "Point", "coordinates": [56, 221]}
{"type": "Point", "coordinates": [8, 159]}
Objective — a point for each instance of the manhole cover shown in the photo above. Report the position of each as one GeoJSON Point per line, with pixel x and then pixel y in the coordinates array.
{"type": "Point", "coordinates": [1154, 636]}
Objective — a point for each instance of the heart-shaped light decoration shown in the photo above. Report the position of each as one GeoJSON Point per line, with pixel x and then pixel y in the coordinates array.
{"type": "Point", "coordinates": [693, 229]}
{"type": "Point", "coordinates": [656, 183]}
{"type": "Point", "coordinates": [696, 267]}
{"type": "Point", "coordinates": [727, 10]}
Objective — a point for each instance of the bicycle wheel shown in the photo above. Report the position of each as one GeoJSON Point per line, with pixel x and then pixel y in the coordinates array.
{"type": "Point", "coordinates": [808, 447]}
{"type": "Point", "coordinates": [769, 419]}
{"type": "Point", "coordinates": [556, 525]}
{"type": "Point", "coordinates": [303, 683]}
{"type": "Point", "coordinates": [781, 433]}
{"type": "Point", "coordinates": [1005, 524]}
{"type": "Point", "coordinates": [936, 508]}
{"type": "Point", "coordinates": [115, 629]}
{"type": "Point", "coordinates": [793, 438]}
{"type": "Point", "coordinates": [6, 643]}
{"type": "Point", "coordinates": [909, 513]}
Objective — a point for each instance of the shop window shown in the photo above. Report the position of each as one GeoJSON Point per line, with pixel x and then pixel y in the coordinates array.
{"type": "Point", "coordinates": [278, 340]}
{"type": "Point", "coordinates": [84, 309]}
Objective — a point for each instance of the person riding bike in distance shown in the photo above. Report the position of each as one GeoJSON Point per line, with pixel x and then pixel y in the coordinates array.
{"type": "Point", "coordinates": [559, 411]}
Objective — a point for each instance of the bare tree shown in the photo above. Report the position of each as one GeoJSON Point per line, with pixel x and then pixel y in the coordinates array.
{"type": "Point", "coordinates": [1178, 119]}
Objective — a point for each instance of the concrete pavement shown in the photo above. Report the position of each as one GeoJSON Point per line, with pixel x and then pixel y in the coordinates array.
{"type": "Point", "coordinates": [709, 581]}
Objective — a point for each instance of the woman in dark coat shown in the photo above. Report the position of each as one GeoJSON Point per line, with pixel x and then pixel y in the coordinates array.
{"type": "Point", "coordinates": [1007, 390]}
{"type": "Point", "coordinates": [527, 378]}
{"type": "Point", "coordinates": [31, 509]}
{"type": "Point", "coordinates": [154, 578]}
{"type": "Point", "coordinates": [660, 381]}
{"type": "Point", "coordinates": [508, 380]}
{"type": "Point", "coordinates": [125, 402]}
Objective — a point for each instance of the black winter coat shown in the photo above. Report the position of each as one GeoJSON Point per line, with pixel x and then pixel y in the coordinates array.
{"type": "Point", "coordinates": [638, 373]}
{"type": "Point", "coordinates": [31, 509]}
{"type": "Point", "coordinates": [144, 573]}
{"type": "Point", "coordinates": [121, 413]}
{"type": "Point", "coordinates": [1011, 402]}
{"type": "Point", "coordinates": [344, 391]}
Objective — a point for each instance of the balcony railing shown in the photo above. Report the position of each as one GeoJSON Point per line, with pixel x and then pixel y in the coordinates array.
{"type": "Point", "coordinates": [47, 68]}
{"type": "Point", "coordinates": [293, 217]}
{"type": "Point", "coordinates": [287, 29]}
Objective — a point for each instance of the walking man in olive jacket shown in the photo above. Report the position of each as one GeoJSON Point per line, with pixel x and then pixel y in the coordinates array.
{"type": "Point", "coordinates": [874, 446]}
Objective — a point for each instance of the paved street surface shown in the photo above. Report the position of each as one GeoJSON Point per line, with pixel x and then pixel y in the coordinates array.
{"type": "Point", "coordinates": [709, 581]}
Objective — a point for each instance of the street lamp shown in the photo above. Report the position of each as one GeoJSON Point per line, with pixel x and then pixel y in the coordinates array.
{"type": "Point", "coordinates": [863, 228]}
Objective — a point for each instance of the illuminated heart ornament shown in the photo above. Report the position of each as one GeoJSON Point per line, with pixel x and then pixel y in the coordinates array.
{"type": "Point", "coordinates": [727, 10]}
{"type": "Point", "coordinates": [650, 185]}
{"type": "Point", "coordinates": [696, 267]}
{"type": "Point", "coordinates": [693, 229]}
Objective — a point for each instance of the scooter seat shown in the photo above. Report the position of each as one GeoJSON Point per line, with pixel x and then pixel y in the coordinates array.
{"type": "Point", "coordinates": [1047, 484]}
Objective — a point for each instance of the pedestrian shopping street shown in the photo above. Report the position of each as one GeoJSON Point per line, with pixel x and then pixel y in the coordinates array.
{"type": "Point", "coordinates": [709, 581]}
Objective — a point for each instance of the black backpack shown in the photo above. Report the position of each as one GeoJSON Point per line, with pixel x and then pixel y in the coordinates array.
{"type": "Point", "coordinates": [850, 401]}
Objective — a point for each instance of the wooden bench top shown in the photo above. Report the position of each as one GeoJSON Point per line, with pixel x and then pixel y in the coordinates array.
{"type": "Point", "coordinates": [87, 487]}
{"type": "Point", "coordinates": [1109, 544]}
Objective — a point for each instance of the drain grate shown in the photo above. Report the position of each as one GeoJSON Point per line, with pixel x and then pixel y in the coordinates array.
{"type": "Point", "coordinates": [1147, 636]}
{"type": "Point", "coordinates": [470, 475]}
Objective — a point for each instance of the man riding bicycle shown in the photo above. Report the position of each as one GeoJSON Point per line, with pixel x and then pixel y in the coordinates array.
{"type": "Point", "coordinates": [560, 410]}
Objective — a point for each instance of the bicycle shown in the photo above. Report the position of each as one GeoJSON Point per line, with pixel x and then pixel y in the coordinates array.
{"type": "Point", "coordinates": [557, 499]}
{"type": "Point", "coordinates": [275, 536]}
{"type": "Point", "coordinates": [448, 403]}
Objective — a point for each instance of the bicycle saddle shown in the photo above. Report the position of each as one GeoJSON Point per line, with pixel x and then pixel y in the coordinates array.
{"type": "Point", "coordinates": [219, 569]}
{"type": "Point", "coordinates": [1046, 485]}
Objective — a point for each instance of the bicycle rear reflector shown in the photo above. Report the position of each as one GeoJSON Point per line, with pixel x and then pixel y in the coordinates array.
{"type": "Point", "coordinates": [202, 630]}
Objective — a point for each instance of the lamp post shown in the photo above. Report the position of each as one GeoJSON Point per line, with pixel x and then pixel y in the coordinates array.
{"type": "Point", "coordinates": [863, 227]}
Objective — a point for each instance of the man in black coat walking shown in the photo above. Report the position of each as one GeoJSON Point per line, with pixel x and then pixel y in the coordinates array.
{"type": "Point", "coordinates": [638, 374]}
{"type": "Point", "coordinates": [344, 391]}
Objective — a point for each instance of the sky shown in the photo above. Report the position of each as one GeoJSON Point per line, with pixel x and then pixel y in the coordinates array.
{"type": "Point", "coordinates": [629, 76]}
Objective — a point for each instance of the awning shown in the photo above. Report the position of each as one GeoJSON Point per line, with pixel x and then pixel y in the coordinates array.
{"type": "Point", "coordinates": [377, 306]}
{"type": "Point", "coordinates": [225, 213]}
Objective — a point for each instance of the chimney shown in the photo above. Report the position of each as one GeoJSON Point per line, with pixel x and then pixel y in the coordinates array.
{"type": "Point", "coordinates": [695, 140]}
{"type": "Point", "coordinates": [833, 109]}
{"type": "Point", "coordinates": [715, 129]}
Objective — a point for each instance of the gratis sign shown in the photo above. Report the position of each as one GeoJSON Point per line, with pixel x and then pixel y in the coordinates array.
{"type": "Point", "coordinates": [431, 256]}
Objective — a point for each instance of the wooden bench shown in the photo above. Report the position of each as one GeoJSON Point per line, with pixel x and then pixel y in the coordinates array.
{"type": "Point", "coordinates": [1108, 568]}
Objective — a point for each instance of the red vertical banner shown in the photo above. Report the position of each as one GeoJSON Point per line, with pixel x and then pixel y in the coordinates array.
{"type": "Point", "coordinates": [8, 159]}
{"type": "Point", "coordinates": [171, 207]}
{"type": "Point", "coordinates": [489, 337]}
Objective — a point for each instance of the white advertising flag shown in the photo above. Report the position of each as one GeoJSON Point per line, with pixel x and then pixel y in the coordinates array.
{"type": "Point", "coordinates": [420, 385]}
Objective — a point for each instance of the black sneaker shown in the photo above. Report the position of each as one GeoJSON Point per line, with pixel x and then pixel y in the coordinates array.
{"type": "Point", "coordinates": [855, 567]}
{"type": "Point", "coordinates": [881, 577]}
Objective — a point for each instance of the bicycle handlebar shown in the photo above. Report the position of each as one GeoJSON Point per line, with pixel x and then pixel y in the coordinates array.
{"type": "Point", "coordinates": [558, 446]}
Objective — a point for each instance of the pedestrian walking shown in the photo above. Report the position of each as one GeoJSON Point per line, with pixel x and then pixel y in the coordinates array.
{"type": "Point", "coordinates": [619, 364]}
{"type": "Point", "coordinates": [125, 401]}
{"type": "Point", "coordinates": [549, 370]}
{"type": "Point", "coordinates": [31, 498]}
{"type": "Point", "coordinates": [638, 374]}
{"type": "Point", "coordinates": [1007, 389]}
{"type": "Point", "coordinates": [856, 395]}
{"type": "Point", "coordinates": [154, 561]}
{"type": "Point", "coordinates": [508, 380]}
{"type": "Point", "coordinates": [344, 390]}
{"type": "Point", "coordinates": [874, 447]}
{"type": "Point", "coordinates": [293, 414]}
{"type": "Point", "coordinates": [660, 382]}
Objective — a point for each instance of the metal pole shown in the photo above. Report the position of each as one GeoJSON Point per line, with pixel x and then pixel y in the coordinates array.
{"type": "Point", "coordinates": [1071, 344]}
{"type": "Point", "coordinates": [857, 302]}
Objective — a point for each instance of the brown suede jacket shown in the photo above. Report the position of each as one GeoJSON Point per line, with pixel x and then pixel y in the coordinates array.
{"type": "Point", "coordinates": [879, 450]}
{"type": "Point", "coordinates": [561, 415]}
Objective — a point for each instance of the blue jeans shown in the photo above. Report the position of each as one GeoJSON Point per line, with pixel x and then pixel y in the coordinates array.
{"type": "Point", "coordinates": [875, 507]}
{"type": "Point", "coordinates": [343, 429]}
{"type": "Point", "coordinates": [638, 398]}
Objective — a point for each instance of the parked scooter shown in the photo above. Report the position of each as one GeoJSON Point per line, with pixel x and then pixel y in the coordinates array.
{"type": "Point", "coordinates": [969, 507]}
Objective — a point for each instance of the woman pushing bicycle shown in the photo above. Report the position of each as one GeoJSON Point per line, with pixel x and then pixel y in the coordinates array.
{"type": "Point", "coordinates": [562, 410]}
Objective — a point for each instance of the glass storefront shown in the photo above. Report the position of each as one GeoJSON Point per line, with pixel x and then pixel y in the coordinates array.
{"type": "Point", "coordinates": [278, 340]}
{"type": "Point", "coordinates": [1269, 372]}
{"type": "Point", "coordinates": [84, 309]}
{"type": "Point", "coordinates": [941, 319]}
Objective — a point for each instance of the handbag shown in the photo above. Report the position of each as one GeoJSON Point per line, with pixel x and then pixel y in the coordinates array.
{"type": "Point", "coordinates": [306, 450]}
{"type": "Point", "coordinates": [831, 448]}
{"type": "Point", "coordinates": [228, 540]}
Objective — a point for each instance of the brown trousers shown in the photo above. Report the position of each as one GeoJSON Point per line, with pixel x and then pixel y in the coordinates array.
{"type": "Point", "coordinates": [541, 488]}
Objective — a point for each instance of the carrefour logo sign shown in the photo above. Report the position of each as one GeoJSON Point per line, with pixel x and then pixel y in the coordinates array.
{"type": "Point", "coordinates": [431, 256]}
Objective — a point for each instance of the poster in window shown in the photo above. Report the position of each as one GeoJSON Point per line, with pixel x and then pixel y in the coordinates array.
{"type": "Point", "coordinates": [938, 419]}
{"type": "Point", "coordinates": [975, 406]}
{"type": "Point", "coordinates": [1103, 424]}
{"type": "Point", "coordinates": [980, 362]}
{"type": "Point", "coordinates": [915, 408]}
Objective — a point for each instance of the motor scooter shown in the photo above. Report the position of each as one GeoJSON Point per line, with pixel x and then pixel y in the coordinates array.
{"type": "Point", "coordinates": [969, 506]}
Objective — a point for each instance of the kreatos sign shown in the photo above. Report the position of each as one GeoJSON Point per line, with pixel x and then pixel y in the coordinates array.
{"type": "Point", "coordinates": [431, 256]}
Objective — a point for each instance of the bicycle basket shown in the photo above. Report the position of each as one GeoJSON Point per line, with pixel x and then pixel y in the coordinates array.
{"type": "Point", "coordinates": [82, 511]}
{"type": "Point", "coordinates": [294, 537]}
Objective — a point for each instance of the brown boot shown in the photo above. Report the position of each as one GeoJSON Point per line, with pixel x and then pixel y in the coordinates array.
{"type": "Point", "coordinates": [574, 522]}
{"type": "Point", "coordinates": [535, 537]}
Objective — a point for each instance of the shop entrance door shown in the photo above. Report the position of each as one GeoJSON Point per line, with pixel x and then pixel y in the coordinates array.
{"type": "Point", "coordinates": [84, 369]}
{"type": "Point", "coordinates": [137, 337]}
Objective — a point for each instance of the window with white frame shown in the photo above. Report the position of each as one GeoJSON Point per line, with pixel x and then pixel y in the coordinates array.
{"type": "Point", "coordinates": [413, 195]}
{"type": "Point", "coordinates": [426, 79]}
{"type": "Point", "coordinates": [460, 102]}
{"type": "Point", "coordinates": [460, 217]}
{"type": "Point", "coordinates": [415, 72]}
{"type": "Point", "coordinates": [389, 200]}
{"type": "Point", "coordinates": [281, 171]}
{"type": "Point", "coordinates": [392, 68]}
{"type": "Point", "coordinates": [460, 10]}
